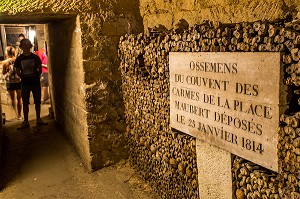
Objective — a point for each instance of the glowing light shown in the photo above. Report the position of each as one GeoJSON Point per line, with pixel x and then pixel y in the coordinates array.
{"type": "Point", "coordinates": [31, 35]}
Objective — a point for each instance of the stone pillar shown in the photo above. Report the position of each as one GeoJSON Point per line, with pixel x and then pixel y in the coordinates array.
{"type": "Point", "coordinates": [214, 171]}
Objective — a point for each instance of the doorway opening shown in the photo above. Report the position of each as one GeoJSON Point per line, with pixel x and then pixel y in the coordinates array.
{"type": "Point", "coordinates": [60, 37]}
{"type": "Point", "coordinates": [10, 36]}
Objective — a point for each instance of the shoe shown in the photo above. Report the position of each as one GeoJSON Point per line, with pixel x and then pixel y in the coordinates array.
{"type": "Point", "coordinates": [44, 102]}
{"type": "Point", "coordinates": [24, 125]}
{"type": "Point", "coordinates": [40, 122]}
{"type": "Point", "coordinates": [46, 99]}
{"type": "Point", "coordinates": [19, 117]}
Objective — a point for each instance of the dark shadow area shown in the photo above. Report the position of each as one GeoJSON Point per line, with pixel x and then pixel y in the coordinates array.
{"type": "Point", "coordinates": [59, 45]}
{"type": "Point", "coordinates": [40, 162]}
{"type": "Point", "coordinates": [33, 18]}
{"type": "Point", "coordinates": [21, 145]}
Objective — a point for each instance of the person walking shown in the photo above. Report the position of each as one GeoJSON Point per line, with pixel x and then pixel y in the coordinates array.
{"type": "Point", "coordinates": [12, 80]}
{"type": "Point", "coordinates": [29, 68]}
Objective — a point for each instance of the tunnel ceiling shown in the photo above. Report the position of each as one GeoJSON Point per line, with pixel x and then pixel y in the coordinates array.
{"type": "Point", "coordinates": [33, 18]}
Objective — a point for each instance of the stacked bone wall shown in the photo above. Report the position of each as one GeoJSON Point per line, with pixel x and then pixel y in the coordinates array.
{"type": "Point", "coordinates": [167, 159]}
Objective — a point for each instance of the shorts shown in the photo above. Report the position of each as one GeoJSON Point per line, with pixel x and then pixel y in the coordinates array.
{"type": "Point", "coordinates": [36, 92]}
{"type": "Point", "coordinates": [44, 80]}
{"type": "Point", "coordinates": [13, 86]}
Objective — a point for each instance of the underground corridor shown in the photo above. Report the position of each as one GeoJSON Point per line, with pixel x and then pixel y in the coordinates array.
{"type": "Point", "coordinates": [51, 161]}
{"type": "Point", "coordinates": [155, 99]}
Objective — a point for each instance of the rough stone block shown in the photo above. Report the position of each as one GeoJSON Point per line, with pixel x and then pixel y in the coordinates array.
{"type": "Point", "coordinates": [152, 20]}
{"type": "Point", "coordinates": [156, 12]}
{"type": "Point", "coordinates": [214, 171]}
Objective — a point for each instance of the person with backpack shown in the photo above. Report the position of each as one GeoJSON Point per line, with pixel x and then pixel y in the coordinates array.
{"type": "Point", "coordinates": [12, 80]}
{"type": "Point", "coordinates": [29, 68]}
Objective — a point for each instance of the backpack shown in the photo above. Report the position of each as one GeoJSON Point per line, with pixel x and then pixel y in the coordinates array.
{"type": "Point", "coordinates": [11, 75]}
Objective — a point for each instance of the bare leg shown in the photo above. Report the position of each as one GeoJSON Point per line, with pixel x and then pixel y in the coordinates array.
{"type": "Point", "coordinates": [13, 103]}
{"type": "Point", "coordinates": [47, 92]}
{"type": "Point", "coordinates": [19, 102]}
{"type": "Point", "coordinates": [44, 93]}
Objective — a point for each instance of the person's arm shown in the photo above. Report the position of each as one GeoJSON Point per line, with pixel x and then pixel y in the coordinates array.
{"type": "Point", "coordinates": [4, 67]}
{"type": "Point", "coordinates": [40, 69]}
{"type": "Point", "coordinates": [38, 62]}
{"type": "Point", "coordinates": [44, 60]}
{"type": "Point", "coordinates": [17, 52]}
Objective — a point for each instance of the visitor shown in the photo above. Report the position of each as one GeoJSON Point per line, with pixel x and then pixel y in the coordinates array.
{"type": "Point", "coordinates": [44, 77]}
{"type": "Point", "coordinates": [12, 80]}
{"type": "Point", "coordinates": [18, 51]}
{"type": "Point", "coordinates": [29, 68]}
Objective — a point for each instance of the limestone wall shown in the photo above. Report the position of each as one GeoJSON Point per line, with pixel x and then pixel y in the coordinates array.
{"type": "Point", "coordinates": [250, 180]}
{"type": "Point", "coordinates": [86, 81]}
{"type": "Point", "coordinates": [101, 29]}
{"type": "Point", "coordinates": [168, 13]}
{"type": "Point", "coordinates": [40, 34]}
{"type": "Point", "coordinates": [66, 77]}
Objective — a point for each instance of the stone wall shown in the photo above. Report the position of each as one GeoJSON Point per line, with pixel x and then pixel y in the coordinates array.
{"type": "Point", "coordinates": [85, 80]}
{"type": "Point", "coordinates": [157, 152]}
{"type": "Point", "coordinates": [66, 81]}
{"type": "Point", "coordinates": [164, 158]}
{"type": "Point", "coordinates": [101, 31]}
{"type": "Point", "coordinates": [40, 35]}
{"type": "Point", "coordinates": [250, 180]}
{"type": "Point", "coordinates": [168, 13]}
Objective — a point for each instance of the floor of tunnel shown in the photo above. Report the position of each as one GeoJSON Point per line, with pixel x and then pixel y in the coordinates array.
{"type": "Point", "coordinates": [39, 162]}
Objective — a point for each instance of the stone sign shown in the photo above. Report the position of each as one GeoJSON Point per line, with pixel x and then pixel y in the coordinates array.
{"type": "Point", "coordinates": [230, 100]}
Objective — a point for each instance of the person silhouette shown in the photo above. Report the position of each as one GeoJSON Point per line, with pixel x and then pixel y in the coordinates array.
{"type": "Point", "coordinates": [29, 68]}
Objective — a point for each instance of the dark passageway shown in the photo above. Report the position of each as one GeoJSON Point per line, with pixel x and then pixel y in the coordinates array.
{"type": "Point", "coordinates": [39, 162]}
{"type": "Point", "coordinates": [20, 145]}
{"type": "Point", "coordinates": [61, 39]}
